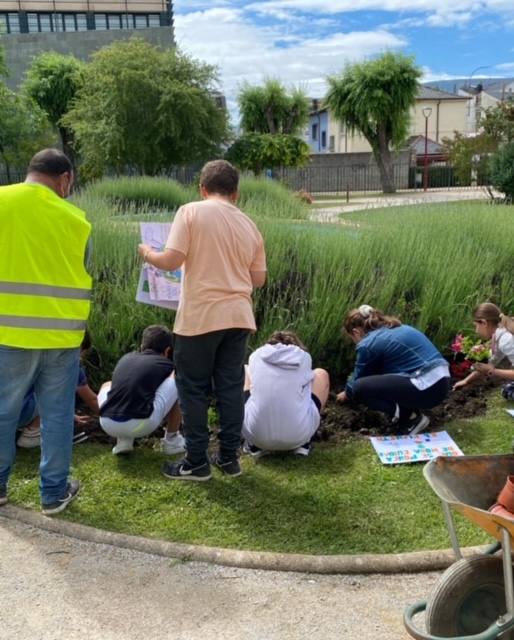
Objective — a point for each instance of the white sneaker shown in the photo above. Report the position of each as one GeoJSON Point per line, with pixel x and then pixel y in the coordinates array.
{"type": "Point", "coordinates": [173, 445]}
{"type": "Point", "coordinates": [419, 424]}
{"type": "Point", "coordinates": [123, 445]}
{"type": "Point", "coordinates": [29, 438]}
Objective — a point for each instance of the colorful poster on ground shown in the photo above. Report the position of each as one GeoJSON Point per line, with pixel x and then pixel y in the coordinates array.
{"type": "Point", "coordinates": [420, 448]}
{"type": "Point", "coordinates": [157, 287]}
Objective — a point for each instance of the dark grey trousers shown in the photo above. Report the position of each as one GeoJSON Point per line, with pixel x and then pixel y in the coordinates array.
{"type": "Point", "coordinates": [205, 363]}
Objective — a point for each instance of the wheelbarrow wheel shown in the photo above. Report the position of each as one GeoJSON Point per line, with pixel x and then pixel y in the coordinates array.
{"type": "Point", "coordinates": [468, 598]}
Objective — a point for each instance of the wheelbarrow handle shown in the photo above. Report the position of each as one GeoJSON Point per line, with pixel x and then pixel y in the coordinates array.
{"type": "Point", "coordinates": [491, 633]}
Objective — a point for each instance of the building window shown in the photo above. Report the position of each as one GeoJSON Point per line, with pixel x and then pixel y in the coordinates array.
{"type": "Point", "coordinates": [154, 20]}
{"type": "Point", "coordinates": [314, 134]}
{"type": "Point", "coordinates": [9, 23]}
{"type": "Point", "coordinates": [100, 21]}
{"type": "Point", "coordinates": [113, 21]}
{"type": "Point", "coordinates": [32, 22]}
{"type": "Point", "coordinates": [45, 22]}
{"type": "Point", "coordinates": [141, 21]}
{"type": "Point", "coordinates": [127, 21]}
{"type": "Point", "coordinates": [69, 22]}
{"type": "Point", "coordinates": [81, 22]}
{"type": "Point", "coordinates": [332, 143]}
{"type": "Point", "coordinates": [57, 22]}
{"type": "Point", "coordinates": [323, 139]}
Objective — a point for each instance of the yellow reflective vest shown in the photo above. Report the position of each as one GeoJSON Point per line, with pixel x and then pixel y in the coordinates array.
{"type": "Point", "coordinates": [45, 290]}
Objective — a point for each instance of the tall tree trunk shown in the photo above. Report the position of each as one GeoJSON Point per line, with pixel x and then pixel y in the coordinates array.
{"type": "Point", "coordinates": [67, 144]}
{"type": "Point", "coordinates": [384, 160]}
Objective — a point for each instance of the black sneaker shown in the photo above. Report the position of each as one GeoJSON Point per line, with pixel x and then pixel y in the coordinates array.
{"type": "Point", "coordinates": [3, 494]}
{"type": "Point", "coordinates": [229, 467]}
{"type": "Point", "coordinates": [59, 505]}
{"type": "Point", "coordinates": [183, 470]}
{"type": "Point", "coordinates": [254, 451]}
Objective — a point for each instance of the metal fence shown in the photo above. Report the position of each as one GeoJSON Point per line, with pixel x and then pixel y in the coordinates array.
{"type": "Point", "coordinates": [366, 177]}
{"type": "Point", "coordinates": [330, 179]}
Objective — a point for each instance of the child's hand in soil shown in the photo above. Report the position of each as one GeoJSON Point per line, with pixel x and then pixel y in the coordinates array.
{"type": "Point", "coordinates": [342, 397]}
{"type": "Point", "coordinates": [459, 385]}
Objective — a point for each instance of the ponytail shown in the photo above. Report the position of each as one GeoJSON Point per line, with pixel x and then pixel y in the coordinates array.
{"type": "Point", "coordinates": [368, 319]}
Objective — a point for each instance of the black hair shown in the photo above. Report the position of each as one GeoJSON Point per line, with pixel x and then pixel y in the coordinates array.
{"type": "Point", "coordinates": [50, 162]}
{"type": "Point", "coordinates": [156, 337]}
{"type": "Point", "coordinates": [219, 176]}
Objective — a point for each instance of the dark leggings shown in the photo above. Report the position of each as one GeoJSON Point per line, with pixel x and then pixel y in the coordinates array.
{"type": "Point", "coordinates": [383, 393]}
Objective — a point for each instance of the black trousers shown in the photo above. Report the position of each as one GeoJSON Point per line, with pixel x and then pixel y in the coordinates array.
{"type": "Point", "coordinates": [385, 392]}
{"type": "Point", "coordinates": [205, 363]}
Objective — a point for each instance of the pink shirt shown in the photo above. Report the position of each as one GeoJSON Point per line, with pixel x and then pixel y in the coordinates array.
{"type": "Point", "coordinates": [222, 246]}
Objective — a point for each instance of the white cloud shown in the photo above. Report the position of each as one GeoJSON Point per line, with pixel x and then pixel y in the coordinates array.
{"type": "Point", "coordinates": [247, 52]}
{"type": "Point", "coordinates": [507, 67]}
{"type": "Point", "coordinates": [436, 13]}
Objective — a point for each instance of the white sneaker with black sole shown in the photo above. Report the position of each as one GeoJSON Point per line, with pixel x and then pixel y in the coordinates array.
{"type": "Point", "coordinates": [51, 508]}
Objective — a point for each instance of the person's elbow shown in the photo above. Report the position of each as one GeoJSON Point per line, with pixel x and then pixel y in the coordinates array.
{"type": "Point", "coordinates": [258, 278]}
{"type": "Point", "coordinates": [171, 259]}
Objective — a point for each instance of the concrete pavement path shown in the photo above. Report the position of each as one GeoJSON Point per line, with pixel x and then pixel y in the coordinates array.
{"type": "Point", "coordinates": [331, 212]}
{"type": "Point", "coordinates": [57, 588]}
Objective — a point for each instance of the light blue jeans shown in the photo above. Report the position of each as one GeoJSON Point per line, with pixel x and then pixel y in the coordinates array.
{"type": "Point", "coordinates": [53, 372]}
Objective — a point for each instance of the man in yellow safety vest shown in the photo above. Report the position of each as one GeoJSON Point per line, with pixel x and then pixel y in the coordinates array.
{"type": "Point", "coordinates": [45, 293]}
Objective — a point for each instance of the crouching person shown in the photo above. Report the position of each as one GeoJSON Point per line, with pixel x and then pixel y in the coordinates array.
{"type": "Point", "coordinates": [284, 397]}
{"type": "Point", "coordinates": [397, 371]}
{"type": "Point", "coordinates": [142, 394]}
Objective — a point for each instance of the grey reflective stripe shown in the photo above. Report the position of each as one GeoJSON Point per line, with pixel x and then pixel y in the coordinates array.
{"type": "Point", "coordinates": [21, 322]}
{"type": "Point", "coordinates": [23, 288]}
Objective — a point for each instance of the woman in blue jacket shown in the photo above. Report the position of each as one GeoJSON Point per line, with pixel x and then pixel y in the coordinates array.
{"type": "Point", "coordinates": [397, 370]}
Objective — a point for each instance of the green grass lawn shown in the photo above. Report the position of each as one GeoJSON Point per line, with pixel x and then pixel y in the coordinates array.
{"type": "Point", "coordinates": [340, 500]}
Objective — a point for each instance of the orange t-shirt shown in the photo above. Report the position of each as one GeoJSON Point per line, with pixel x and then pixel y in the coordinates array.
{"type": "Point", "coordinates": [222, 245]}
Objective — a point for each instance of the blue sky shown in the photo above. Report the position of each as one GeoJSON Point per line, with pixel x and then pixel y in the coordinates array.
{"type": "Point", "coordinates": [303, 41]}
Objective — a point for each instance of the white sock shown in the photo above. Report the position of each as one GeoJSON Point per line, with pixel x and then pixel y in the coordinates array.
{"type": "Point", "coordinates": [171, 435]}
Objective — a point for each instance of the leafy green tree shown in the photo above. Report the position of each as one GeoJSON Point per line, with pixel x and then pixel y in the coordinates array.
{"type": "Point", "coordinates": [24, 130]}
{"type": "Point", "coordinates": [3, 67]}
{"type": "Point", "coordinates": [498, 122]}
{"type": "Point", "coordinates": [270, 118]}
{"type": "Point", "coordinates": [53, 81]}
{"type": "Point", "coordinates": [271, 109]}
{"type": "Point", "coordinates": [375, 98]}
{"type": "Point", "coordinates": [470, 156]}
{"type": "Point", "coordinates": [146, 109]}
{"type": "Point", "coordinates": [256, 152]}
{"type": "Point", "coordinates": [502, 170]}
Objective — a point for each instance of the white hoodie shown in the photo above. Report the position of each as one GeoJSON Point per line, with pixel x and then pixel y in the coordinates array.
{"type": "Point", "coordinates": [280, 414]}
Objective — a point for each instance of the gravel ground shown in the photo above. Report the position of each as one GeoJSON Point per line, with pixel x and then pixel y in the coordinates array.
{"type": "Point", "coordinates": [55, 588]}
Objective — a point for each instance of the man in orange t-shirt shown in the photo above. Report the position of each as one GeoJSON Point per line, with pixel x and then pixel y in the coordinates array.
{"type": "Point", "coordinates": [222, 255]}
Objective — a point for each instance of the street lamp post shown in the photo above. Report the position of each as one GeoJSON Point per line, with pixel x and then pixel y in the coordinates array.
{"type": "Point", "coordinates": [426, 114]}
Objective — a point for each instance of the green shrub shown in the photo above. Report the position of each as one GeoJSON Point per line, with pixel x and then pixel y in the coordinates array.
{"type": "Point", "coordinates": [260, 197]}
{"type": "Point", "coordinates": [502, 170]}
{"type": "Point", "coordinates": [142, 191]}
{"type": "Point", "coordinates": [428, 263]}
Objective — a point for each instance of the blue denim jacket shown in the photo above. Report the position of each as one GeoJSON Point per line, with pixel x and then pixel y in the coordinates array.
{"type": "Point", "coordinates": [402, 350]}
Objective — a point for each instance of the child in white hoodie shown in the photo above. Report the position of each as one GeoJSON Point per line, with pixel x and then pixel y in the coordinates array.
{"type": "Point", "coordinates": [283, 397]}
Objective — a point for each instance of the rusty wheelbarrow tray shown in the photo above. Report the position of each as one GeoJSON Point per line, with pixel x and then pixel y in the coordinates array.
{"type": "Point", "coordinates": [470, 485]}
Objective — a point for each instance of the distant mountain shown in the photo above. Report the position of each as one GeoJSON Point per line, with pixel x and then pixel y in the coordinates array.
{"type": "Point", "coordinates": [453, 86]}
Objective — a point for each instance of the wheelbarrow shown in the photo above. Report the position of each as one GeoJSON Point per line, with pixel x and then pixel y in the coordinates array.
{"type": "Point", "coordinates": [474, 598]}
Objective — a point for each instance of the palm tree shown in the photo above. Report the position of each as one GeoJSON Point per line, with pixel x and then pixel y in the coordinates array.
{"type": "Point", "coordinates": [374, 98]}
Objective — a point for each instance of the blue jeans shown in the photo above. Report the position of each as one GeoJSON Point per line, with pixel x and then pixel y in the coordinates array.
{"type": "Point", "coordinates": [53, 372]}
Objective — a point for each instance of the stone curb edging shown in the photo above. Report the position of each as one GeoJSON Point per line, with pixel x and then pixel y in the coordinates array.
{"type": "Point", "coordinates": [412, 562]}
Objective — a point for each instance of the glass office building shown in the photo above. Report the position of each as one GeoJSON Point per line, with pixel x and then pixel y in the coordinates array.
{"type": "Point", "coordinates": [38, 16]}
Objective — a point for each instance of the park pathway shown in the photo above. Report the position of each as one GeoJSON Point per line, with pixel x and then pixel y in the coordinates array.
{"type": "Point", "coordinates": [57, 588]}
{"type": "Point", "coordinates": [330, 212]}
